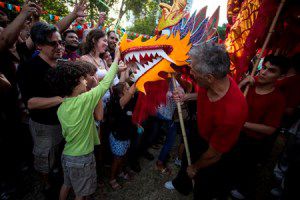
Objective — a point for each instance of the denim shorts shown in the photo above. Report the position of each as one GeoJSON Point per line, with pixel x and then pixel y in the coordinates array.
{"type": "Point", "coordinates": [46, 140]}
{"type": "Point", "coordinates": [80, 173]}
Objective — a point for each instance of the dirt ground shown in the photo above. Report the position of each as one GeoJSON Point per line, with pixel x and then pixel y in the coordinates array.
{"type": "Point", "coordinates": [148, 184]}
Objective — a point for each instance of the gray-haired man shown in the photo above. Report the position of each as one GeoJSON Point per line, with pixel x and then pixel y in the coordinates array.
{"type": "Point", "coordinates": [221, 113]}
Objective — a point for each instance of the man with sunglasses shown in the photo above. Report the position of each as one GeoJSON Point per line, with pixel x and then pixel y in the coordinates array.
{"type": "Point", "coordinates": [266, 106]}
{"type": "Point", "coordinates": [40, 100]}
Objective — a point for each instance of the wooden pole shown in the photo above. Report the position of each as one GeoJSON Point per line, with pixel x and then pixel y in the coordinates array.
{"type": "Point", "coordinates": [186, 145]}
{"type": "Point", "coordinates": [271, 30]}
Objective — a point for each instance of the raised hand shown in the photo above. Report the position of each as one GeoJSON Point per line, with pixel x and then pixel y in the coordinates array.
{"type": "Point", "coordinates": [191, 171]}
{"type": "Point", "coordinates": [117, 53]}
{"type": "Point", "coordinates": [102, 18]}
{"type": "Point", "coordinates": [79, 9]}
{"type": "Point", "coordinates": [30, 8]}
{"type": "Point", "coordinates": [122, 66]}
{"type": "Point", "coordinates": [178, 96]}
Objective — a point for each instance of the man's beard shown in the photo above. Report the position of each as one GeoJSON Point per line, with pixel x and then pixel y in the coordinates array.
{"type": "Point", "coordinates": [71, 48]}
{"type": "Point", "coordinates": [112, 47]}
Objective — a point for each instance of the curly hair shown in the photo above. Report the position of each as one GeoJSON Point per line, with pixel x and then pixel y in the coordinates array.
{"type": "Point", "coordinates": [66, 76]}
{"type": "Point", "coordinates": [88, 67]}
{"type": "Point", "coordinates": [91, 39]}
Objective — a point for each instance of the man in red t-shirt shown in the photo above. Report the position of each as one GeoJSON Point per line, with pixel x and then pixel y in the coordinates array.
{"type": "Point", "coordinates": [221, 113]}
{"type": "Point", "coordinates": [266, 106]}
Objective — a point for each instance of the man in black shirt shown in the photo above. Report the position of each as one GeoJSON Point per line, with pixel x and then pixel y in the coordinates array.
{"type": "Point", "coordinates": [40, 99]}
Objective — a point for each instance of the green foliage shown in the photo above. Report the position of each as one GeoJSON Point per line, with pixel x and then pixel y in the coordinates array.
{"type": "Point", "coordinates": [11, 13]}
{"type": "Point", "coordinates": [96, 6]}
{"type": "Point", "coordinates": [222, 31]}
{"type": "Point", "coordinates": [54, 7]}
{"type": "Point", "coordinates": [146, 19]}
{"type": "Point", "coordinates": [143, 7]}
{"type": "Point", "coordinates": [145, 12]}
{"type": "Point", "coordinates": [144, 26]}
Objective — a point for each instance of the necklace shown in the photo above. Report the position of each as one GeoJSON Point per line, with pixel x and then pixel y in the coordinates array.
{"type": "Point", "coordinates": [98, 65]}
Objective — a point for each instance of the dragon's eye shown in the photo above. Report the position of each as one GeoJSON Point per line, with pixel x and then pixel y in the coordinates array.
{"type": "Point", "coordinates": [166, 31]}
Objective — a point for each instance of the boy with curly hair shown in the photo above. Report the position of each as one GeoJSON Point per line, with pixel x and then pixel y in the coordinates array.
{"type": "Point", "coordinates": [78, 125]}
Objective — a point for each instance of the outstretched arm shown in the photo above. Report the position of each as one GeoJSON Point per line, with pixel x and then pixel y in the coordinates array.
{"type": "Point", "coordinates": [78, 11]}
{"type": "Point", "coordinates": [94, 95]}
{"type": "Point", "coordinates": [126, 98]}
{"type": "Point", "coordinates": [43, 103]}
{"type": "Point", "coordinates": [260, 128]}
{"type": "Point", "coordinates": [11, 33]}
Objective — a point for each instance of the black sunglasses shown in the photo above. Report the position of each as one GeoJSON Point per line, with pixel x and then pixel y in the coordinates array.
{"type": "Point", "coordinates": [56, 43]}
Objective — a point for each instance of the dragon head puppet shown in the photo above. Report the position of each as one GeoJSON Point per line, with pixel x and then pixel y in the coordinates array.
{"type": "Point", "coordinates": [178, 32]}
{"type": "Point", "coordinates": [153, 56]}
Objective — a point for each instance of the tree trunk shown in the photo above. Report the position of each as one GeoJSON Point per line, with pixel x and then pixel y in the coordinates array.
{"type": "Point", "coordinates": [121, 12]}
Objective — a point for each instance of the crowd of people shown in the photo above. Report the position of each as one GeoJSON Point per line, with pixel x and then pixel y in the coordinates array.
{"type": "Point", "coordinates": [67, 98]}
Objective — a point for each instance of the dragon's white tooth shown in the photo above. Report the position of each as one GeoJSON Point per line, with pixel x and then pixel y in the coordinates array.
{"type": "Point", "coordinates": [139, 65]}
{"type": "Point", "coordinates": [148, 53]}
{"type": "Point", "coordinates": [151, 52]}
{"type": "Point", "coordinates": [131, 56]}
{"type": "Point", "coordinates": [155, 61]}
{"type": "Point", "coordinates": [150, 65]}
{"type": "Point", "coordinates": [165, 56]}
{"type": "Point", "coordinates": [137, 56]}
{"type": "Point", "coordinates": [127, 58]}
{"type": "Point", "coordinates": [143, 53]}
{"type": "Point", "coordinates": [159, 50]}
{"type": "Point", "coordinates": [134, 78]}
{"type": "Point", "coordinates": [145, 66]}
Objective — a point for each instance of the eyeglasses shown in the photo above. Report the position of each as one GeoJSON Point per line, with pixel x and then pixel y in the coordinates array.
{"type": "Point", "coordinates": [56, 43]}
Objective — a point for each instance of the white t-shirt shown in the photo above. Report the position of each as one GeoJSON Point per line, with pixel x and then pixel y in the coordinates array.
{"type": "Point", "coordinates": [101, 73]}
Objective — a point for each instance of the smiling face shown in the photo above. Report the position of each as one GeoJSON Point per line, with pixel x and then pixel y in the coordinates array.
{"type": "Point", "coordinates": [113, 39]}
{"type": "Point", "coordinates": [72, 40]}
{"type": "Point", "coordinates": [101, 45]}
{"type": "Point", "coordinates": [153, 56]}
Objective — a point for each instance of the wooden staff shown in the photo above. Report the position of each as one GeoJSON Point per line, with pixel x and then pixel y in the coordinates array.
{"type": "Point", "coordinates": [186, 145]}
{"type": "Point", "coordinates": [271, 30]}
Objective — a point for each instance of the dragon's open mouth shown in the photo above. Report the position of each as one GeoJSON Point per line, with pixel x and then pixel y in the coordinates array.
{"type": "Point", "coordinates": [142, 59]}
